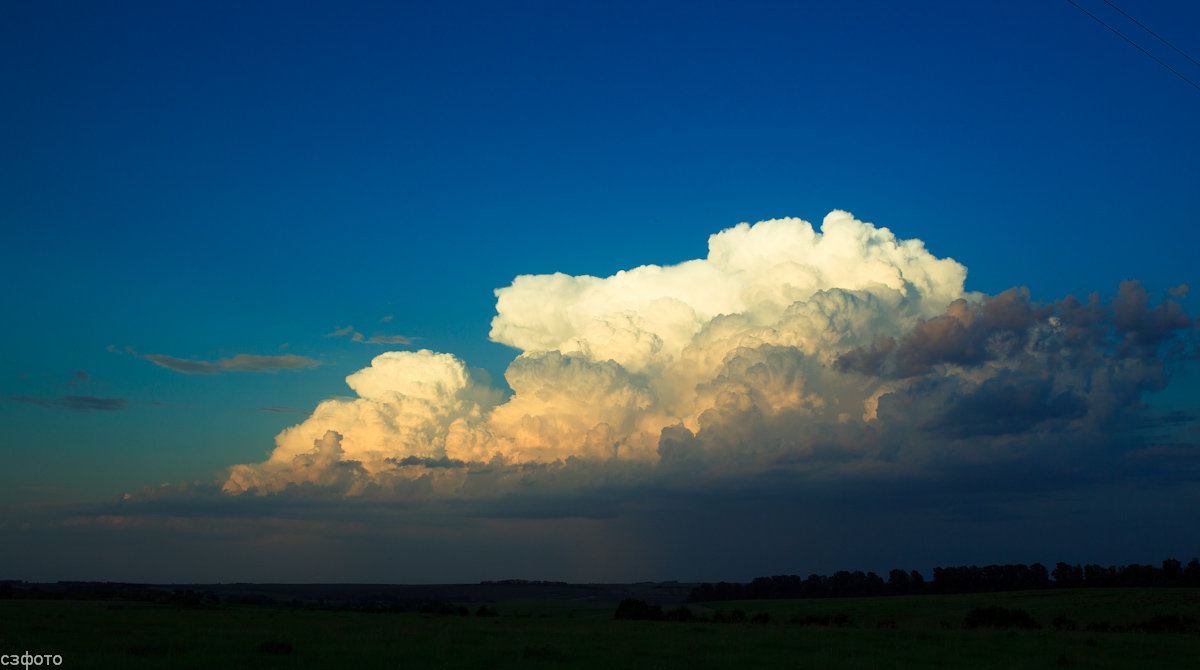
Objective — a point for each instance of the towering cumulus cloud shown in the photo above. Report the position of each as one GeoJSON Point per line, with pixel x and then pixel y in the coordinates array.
{"type": "Point", "coordinates": [786, 349]}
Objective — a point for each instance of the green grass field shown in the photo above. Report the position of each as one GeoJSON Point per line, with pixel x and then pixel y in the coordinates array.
{"type": "Point", "coordinates": [899, 632]}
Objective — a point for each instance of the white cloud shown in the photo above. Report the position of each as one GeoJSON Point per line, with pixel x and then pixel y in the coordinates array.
{"type": "Point", "coordinates": [785, 348]}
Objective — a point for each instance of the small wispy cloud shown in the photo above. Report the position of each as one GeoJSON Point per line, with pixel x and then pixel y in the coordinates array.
{"type": "Point", "coordinates": [381, 339]}
{"type": "Point", "coordinates": [238, 363]}
{"type": "Point", "coordinates": [74, 403]}
{"type": "Point", "coordinates": [281, 409]}
{"type": "Point", "coordinates": [356, 336]}
{"type": "Point", "coordinates": [78, 377]}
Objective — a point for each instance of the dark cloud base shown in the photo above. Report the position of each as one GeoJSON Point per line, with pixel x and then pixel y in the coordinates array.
{"type": "Point", "coordinates": [648, 535]}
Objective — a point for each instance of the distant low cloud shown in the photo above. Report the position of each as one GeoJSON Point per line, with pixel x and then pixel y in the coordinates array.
{"type": "Point", "coordinates": [238, 363]}
{"type": "Point", "coordinates": [75, 403]}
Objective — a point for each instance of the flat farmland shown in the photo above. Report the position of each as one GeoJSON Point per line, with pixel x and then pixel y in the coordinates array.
{"type": "Point", "coordinates": [1085, 628]}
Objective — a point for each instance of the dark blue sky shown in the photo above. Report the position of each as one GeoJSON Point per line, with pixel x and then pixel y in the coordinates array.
{"type": "Point", "coordinates": [207, 180]}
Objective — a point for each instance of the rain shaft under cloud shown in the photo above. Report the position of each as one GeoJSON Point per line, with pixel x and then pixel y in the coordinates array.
{"type": "Point", "coordinates": [785, 350]}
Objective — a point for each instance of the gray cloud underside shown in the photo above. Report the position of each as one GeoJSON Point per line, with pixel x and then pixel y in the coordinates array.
{"type": "Point", "coordinates": [642, 534]}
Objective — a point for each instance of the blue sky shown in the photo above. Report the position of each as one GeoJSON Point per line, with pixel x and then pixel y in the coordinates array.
{"type": "Point", "coordinates": [203, 180]}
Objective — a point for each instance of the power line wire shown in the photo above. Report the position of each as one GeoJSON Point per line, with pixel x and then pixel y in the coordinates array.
{"type": "Point", "coordinates": [1135, 44]}
{"type": "Point", "coordinates": [1144, 27]}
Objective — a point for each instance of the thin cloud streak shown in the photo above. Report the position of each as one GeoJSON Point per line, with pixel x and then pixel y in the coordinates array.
{"type": "Point", "coordinates": [74, 403]}
{"type": "Point", "coordinates": [281, 409]}
{"type": "Point", "coordinates": [238, 363]}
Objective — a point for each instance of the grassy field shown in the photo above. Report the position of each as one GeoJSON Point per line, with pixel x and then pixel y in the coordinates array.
{"type": "Point", "coordinates": [901, 632]}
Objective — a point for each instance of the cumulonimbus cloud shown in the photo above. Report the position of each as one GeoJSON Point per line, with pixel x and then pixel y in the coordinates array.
{"type": "Point", "coordinates": [845, 350]}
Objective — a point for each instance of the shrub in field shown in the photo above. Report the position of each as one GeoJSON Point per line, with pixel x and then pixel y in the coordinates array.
{"type": "Point", "coordinates": [1168, 623]}
{"type": "Point", "coordinates": [1062, 622]}
{"type": "Point", "coordinates": [840, 620]}
{"type": "Point", "coordinates": [444, 609]}
{"type": "Point", "coordinates": [681, 613]}
{"type": "Point", "coordinates": [736, 616]}
{"type": "Point", "coordinates": [999, 617]}
{"type": "Point", "coordinates": [484, 610]}
{"type": "Point", "coordinates": [140, 649]}
{"type": "Point", "coordinates": [544, 653]}
{"type": "Point", "coordinates": [275, 647]}
{"type": "Point", "coordinates": [634, 609]}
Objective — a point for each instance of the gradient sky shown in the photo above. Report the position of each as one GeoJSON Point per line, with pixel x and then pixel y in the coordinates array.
{"type": "Point", "coordinates": [195, 198]}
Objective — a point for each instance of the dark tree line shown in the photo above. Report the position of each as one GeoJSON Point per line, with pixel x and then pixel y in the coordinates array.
{"type": "Point", "coordinates": [176, 597]}
{"type": "Point", "coordinates": [634, 609]}
{"type": "Point", "coordinates": [958, 579]}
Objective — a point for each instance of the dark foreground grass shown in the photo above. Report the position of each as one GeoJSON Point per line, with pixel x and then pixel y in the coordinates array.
{"type": "Point", "coordinates": [911, 632]}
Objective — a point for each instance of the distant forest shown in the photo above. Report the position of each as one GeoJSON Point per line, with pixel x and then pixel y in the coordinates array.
{"type": "Point", "coordinates": [961, 579]}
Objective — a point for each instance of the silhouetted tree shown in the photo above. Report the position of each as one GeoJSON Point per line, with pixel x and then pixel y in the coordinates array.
{"type": "Point", "coordinates": [1096, 575]}
{"type": "Point", "coordinates": [873, 585]}
{"type": "Point", "coordinates": [1039, 576]}
{"type": "Point", "coordinates": [1136, 575]}
{"type": "Point", "coordinates": [916, 582]}
{"type": "Point", "coordinates": [1068, 575]}
{"type": "Point", "coordinates": [1172, 572]}
{"type": "Point", "coordinates": [1192, 572]}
